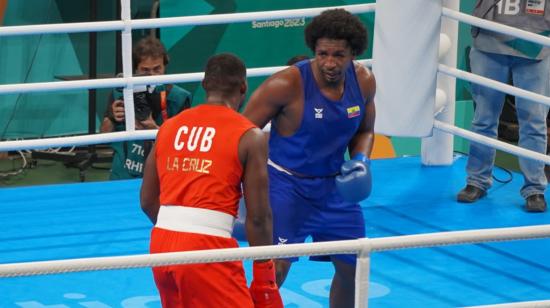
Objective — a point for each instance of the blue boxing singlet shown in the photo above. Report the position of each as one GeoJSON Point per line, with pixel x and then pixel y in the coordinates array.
{"type": "Point", "coordinates": [317, 148]}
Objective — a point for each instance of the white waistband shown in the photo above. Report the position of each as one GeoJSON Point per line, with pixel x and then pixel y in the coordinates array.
{"type": "Point", "coordinates": [279, 168]}
{"type": "Point", "coordinates": [296, 174]}
{"type": "Point", "coordinates": [195, 220]}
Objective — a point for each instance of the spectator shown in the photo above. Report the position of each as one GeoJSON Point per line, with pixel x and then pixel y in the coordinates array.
{"type": "Point", "coordinates": [497, 56]}
{"type": "Point", "coordinates": [152, 107]}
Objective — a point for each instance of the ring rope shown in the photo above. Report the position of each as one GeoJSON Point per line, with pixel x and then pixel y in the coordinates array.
{"type": "Point", "coordinates": [134, 81]}
{"type": "Point", "coordinates": [105, 83]}
{"type": "Point", "coordinates": [276, 251]}
{"type": "Point", "coordinates": [529, 304]}
{"type": "Point", "coordinates": [490, 83]}
{"type": "Point", "coordinates": [46, 143]}
{"type": "Point", "coordinates": [137, 24]}
{"type": "Point", "coordinates": [495, 143]}
{"type": "Point", "coordinates": [494, 26]}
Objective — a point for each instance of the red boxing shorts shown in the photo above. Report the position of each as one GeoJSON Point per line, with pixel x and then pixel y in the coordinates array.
{"type": "Point", "coordinates": [198, 285]}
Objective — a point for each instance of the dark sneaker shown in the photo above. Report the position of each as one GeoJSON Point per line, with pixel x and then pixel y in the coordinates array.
{"type": "Point", "coordinates": [535, 203]}
{"type": "Point", "coordinates": [470, 194]}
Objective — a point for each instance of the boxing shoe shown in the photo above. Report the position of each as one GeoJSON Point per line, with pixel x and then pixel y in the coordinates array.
{"type": "Point", "coordinates": [470, 194]}
{"type": "Point", "coordinates": [535, 203]}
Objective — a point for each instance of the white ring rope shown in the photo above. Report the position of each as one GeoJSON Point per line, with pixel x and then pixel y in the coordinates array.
{"type": "Point", "coordinates": [494, 26]}
{"type": "Point", "coordinates": [105, 83]}
{"type": "Point", "coordinates": [245, 17]}
{"type": "Point", "coordinates": [460, 74]}
{"type": "Point", "coordinates": [130, 81]}
{"type": "Point", "coordinates": [497, 144]}
{"type": "Point", "coordinates": [135, 24]}
{"type": "Point", "coordinates": [46, 143]}
{"type": "Point", "coordinates": [276, 251]}
{"type": "Point", "coordinates": [529, 304]}
{"type": "Point", "coordinates": [493, 84]}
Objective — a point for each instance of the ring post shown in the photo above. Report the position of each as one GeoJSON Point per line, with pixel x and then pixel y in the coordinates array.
{"type": "Point", "coordinates": [126, 38]}
{"type": "Point", "coordinates": [362, 271]}
{"type": "Point", "coordinates": [438, 149]}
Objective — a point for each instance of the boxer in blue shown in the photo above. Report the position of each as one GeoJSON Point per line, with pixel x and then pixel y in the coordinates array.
{"type": "Point", "coordinates": [318, 109]}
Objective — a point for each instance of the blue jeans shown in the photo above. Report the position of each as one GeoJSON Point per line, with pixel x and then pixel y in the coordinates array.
{"type": "Point", "coordinates": [527, 74]}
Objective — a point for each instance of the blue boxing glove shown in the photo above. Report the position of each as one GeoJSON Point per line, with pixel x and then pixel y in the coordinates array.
{"type": "Point", "coordinates": [354, 182]}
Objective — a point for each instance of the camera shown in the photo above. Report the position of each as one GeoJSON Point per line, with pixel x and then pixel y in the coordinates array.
{"type": "Point", "coordinates": [145, 98]}
{"type": "Point", "coordinates": [142, 107]}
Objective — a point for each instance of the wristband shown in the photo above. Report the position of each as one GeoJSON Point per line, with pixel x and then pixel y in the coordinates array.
{"type": "Point", "coordinates": [264, 271]}
{"type": "Point", "coordinates": [361, 157]}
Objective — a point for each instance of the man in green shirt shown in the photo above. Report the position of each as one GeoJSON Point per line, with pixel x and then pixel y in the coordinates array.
{"type": "Point", "coordinates": [149, 58]}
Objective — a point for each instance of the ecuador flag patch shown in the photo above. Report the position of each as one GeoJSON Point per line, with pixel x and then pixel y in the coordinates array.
{"type": "Point", "coordinates": [353, 111]}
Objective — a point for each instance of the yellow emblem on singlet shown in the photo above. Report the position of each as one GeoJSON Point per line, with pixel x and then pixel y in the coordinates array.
{"type": "Point", "coordinates": [353, 111]}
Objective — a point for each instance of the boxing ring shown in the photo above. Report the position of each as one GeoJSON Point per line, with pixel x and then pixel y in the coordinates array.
{"type": "Point", "coordinates": [96, 226]}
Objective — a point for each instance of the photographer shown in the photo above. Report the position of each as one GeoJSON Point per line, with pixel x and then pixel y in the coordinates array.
{"type": "Point", "coordinates": [152, 105]}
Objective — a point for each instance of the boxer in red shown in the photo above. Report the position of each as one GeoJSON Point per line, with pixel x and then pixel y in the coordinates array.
{"type": "Point", "coordinates": [191, 190]}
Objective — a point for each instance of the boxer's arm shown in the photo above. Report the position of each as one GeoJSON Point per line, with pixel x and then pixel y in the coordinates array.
{"type": "Point", "coordinates": [354, 182]}
{"type": "Point", "coordinates": [253, 155]}
{"type": "Point", "coordinates": [363, 140]}
{"type": "Point", "coordinates": [272, 96]}
{"type": "Point", "coordinates": [150, 187]}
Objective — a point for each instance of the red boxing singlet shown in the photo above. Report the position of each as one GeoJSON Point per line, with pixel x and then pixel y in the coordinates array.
{"type": "Point", "coordinates": [197, 158]}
